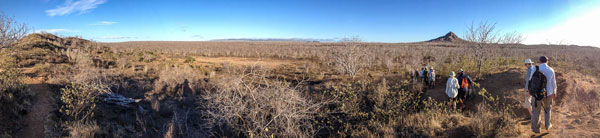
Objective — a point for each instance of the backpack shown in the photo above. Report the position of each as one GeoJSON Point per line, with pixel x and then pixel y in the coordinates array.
{"type": "Point", "coordinates": [537, 84]}
{"type": "Point", "coordinates": [464, 83]}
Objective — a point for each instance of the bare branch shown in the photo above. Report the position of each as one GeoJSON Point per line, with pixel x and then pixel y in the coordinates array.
{"type": "Point", "coordinates": [10, 30]}
{"type": "Point", "coordinates": [350, 57]}
{"type": "Point", "coordinates": [512, 38]}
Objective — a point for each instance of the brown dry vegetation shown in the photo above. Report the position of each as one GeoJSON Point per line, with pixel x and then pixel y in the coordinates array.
{"type": "Point", "coordinates": [289, 89]}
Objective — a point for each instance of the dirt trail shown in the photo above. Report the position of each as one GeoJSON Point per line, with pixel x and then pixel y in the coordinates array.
{"type": "Point", "coordinates": [573, 92]}
{"type": "Point", "coordinates": [41, 107]}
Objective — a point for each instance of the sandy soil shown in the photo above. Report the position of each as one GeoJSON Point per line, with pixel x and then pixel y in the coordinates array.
{"type": "Point", "coordinates": [41, 107]}
{"type": "Point", "coordinates": [266, 62]}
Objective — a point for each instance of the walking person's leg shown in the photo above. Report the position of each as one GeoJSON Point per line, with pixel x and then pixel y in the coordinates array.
{"type": "Point", "coordinates": [461, 97]}
{"type": "Point", "coordinates": [535, 116]}
{"type": "Point", "coordinates": [548, 101]}
{"type": "Point", "coordinates": [452, 103]}
{"type": "Point", "coordinates": [431, 83]}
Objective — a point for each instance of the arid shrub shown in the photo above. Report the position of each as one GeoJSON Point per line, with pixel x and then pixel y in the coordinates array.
{"type": "Point", "coordinates": [79, 100]}
{"type": "Point", "coordinates": [351, 58]}
{"type": "Point", "coordinates": [247, 104]}
{"type": "Point", "coordinates": [189, 60]}
{"type": "Point", "coordinates": [11, 30]}
{"type": "Point", "coordinates": [486, 123]}
{"type": "Point", "coordinates": [55, 73]}
{"type": "Point", "coordinates": [362, 109]}
{"type": "Point", "coordinates": [15, 100]}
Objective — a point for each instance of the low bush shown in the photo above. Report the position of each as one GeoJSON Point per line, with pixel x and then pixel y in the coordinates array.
{"type": "Point", "coordinates": [189, 60]}
{"type": "Point", "coordinates": [15, 101]}
{"type": "Point", "coordinates": [487, 123]}
{"type": "Point", "coordinates": [79, 100]}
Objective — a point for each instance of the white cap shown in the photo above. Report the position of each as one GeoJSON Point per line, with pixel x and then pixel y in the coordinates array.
{"type": "Point", "coordinates": [460, 70]}
{"type": "Point", "coordinates": [528, 61]}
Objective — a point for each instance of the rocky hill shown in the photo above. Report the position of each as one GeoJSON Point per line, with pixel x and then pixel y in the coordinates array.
{"type": "Point", "coordinates": [449, 37]}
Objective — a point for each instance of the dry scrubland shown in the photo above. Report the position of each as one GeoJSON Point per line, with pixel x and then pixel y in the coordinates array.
{"type": "Point", "coordinates": [283, 89]}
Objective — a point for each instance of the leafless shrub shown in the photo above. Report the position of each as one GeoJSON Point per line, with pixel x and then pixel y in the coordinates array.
{"type": "Point", "coordinates": [350, 58]}
{"type": "Point", "coordinates": [250, 104]}
{"type": "Point", "coordinates": [512, 38]}
{"type": "Point", "coordinates": [85, 72]}
{"type": "Point", "coordinates": [10, 30]}
{"type": "Point", "coordinates": [483, 37]}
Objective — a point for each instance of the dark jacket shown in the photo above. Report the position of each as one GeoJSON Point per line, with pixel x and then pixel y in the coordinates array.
{"type": "Point", "coordinates": [460, 78]}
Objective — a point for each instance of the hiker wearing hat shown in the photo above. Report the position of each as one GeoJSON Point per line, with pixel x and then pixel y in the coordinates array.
{"type": "Point", "coordinates": [465, 82]}
{"type": "Point", "coordinates": [452, 89]}
{"type": "Point", "coordinates": [530, 69]}
{"type": "Point", "coordinates": [542, 87]}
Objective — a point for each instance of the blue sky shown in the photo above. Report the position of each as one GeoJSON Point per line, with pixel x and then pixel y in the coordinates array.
{"type": "Point", "coordinates": [547, 21]}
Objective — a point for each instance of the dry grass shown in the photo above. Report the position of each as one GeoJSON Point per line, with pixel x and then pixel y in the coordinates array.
{"type": "Point", "coordinates": [487, 123]}
{"type": "Point", "coordinates": [304, 89]}
{"type": "Point", "coordinates": [84, 130]}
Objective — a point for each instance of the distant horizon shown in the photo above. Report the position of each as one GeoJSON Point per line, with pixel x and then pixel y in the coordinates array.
{"type": "Point", "coordinates": [540, 22]}
{"type": "Point", "coordinates": [294, 40]}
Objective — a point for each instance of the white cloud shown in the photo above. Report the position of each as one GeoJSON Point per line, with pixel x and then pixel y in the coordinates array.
{"type": "Point", "coordinates": [104, 23]}
{"type": "Point", "coordinates": [70, 6]}
{"type": "Point", "coordinates": [56, 30]}
{"type": "Point", "coordinates": [579, 30]}
{"type": "Point", "coordinates": [197, 36]}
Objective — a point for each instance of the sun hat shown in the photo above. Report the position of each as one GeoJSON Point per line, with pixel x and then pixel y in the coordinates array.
{"type": "Point", "coordinates": [528, 61]}
{"type": "Point", "coordinates": [451, 74]}
{"type": "Point", "coordinates": [460, 70]}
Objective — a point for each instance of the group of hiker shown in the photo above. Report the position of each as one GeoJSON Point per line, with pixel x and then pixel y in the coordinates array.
{"type": "Point", "coordinates": [426, 75]}
{"type": "Point", "coordinates": [540, 90]}
{"type": "Point", "coordinates": [458, 87]}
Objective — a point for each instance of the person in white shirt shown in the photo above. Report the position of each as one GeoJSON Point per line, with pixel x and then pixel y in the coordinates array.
{"type": "Point", "coordinates": [431, 77]}
{"type": "Point", "coordinates": [452, 89]}
{"type": "Point", "coordinates": [530, 69]}
{"type": "Point", "coordinates": [547, 101]}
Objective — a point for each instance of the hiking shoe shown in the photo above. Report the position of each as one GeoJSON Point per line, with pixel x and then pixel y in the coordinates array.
{"type": "Point", "coordinates": [536, 131]}
{"type": "Point", "coordinates": [549, 127]}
